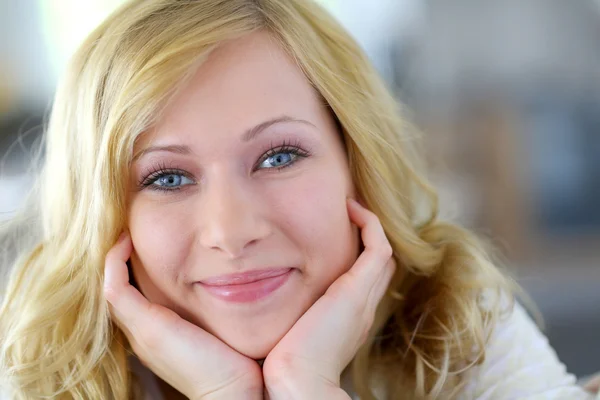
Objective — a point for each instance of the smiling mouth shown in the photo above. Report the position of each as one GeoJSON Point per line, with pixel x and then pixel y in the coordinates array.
{"type": "Point", "coordinates": [247, 286]}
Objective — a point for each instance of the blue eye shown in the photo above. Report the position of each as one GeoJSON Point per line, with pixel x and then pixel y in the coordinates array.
{"type": "Point", "coordinates": [166, 179]}
{"type": "Point", "coordinates": [172, 181]}
{"type": "Point", "coordinates": [281, 156]}
{"type": "Point", "coordinates": [278, 160]}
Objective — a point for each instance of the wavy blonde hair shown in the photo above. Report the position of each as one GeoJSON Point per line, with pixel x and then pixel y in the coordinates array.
{"type": "Point", "coordinates": [57, 337]}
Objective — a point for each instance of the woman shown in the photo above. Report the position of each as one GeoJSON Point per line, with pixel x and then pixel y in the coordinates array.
{"type": "Point", "coordinates": [275, 236]}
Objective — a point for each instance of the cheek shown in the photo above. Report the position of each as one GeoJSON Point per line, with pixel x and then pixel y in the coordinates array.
{"type": "Point", "coordinates": [161, 236]}
{"type": "Point", "coordinates": [315, 217]}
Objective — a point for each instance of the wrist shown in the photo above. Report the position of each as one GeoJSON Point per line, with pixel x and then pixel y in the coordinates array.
{"type": "Point", "coordinates": [295, 388]}
{"type": "Point", "coordinates": [246, 388]}
{"type": "Point", "coordinates": [234, 393]}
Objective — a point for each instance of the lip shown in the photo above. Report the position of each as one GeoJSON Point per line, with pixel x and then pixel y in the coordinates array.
{"type": "Point", "coordinates": [247, 286]}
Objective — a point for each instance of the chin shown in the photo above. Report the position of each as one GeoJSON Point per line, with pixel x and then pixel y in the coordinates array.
{"type": "Point", "coordinates": [256, 350]}
{"type": "Point", "coordinates": [254, 340]}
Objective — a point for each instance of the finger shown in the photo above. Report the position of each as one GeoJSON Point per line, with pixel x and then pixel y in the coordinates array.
{"type": "Point", "coordinates": [377, 247]}
{"type": "Point", "coordinates": [141, 321]}
{"type": "Point", "coordinates": [127, 302]}
{"type": "Point", "coordinates": [380, 287]}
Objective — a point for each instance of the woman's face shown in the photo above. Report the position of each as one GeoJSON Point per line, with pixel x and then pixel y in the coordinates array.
{"type": "Point", "coordinates": [238, 213]}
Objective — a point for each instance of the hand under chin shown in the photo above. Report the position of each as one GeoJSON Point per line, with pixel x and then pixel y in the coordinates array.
{"type": "Point", "coordinates": [254, 337]}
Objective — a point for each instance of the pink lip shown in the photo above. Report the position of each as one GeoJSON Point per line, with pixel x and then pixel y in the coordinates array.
{"type": "Point", "coordinates": [247, 286]}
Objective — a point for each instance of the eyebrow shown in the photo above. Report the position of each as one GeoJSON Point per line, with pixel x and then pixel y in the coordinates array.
{"type": "Point", "coordinates": [255, 131]}
{"type": "Point", "coordinates": [179, 149]}
{"type": "Point", "coordinates": [248, 135]}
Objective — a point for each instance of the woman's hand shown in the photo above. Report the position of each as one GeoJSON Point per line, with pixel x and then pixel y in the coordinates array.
{"type": "Point", "coordinates": [309, 359]}
{"type": "Point", "coordinates": [188, 358]}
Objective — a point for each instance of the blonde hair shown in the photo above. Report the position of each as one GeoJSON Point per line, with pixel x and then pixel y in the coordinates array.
{"type": "Point", "coordinates": [57, 337]}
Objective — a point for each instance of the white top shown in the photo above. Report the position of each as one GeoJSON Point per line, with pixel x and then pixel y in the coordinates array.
{"type": "Point", "coordinates": [519, 364]}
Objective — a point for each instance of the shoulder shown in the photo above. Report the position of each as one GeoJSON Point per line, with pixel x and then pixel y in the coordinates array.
{"type": "Point", "coordinates": [520, 363]}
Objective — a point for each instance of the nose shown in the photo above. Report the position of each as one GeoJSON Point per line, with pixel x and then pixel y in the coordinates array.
{"type": "Point", "coordinates": [230, 218]}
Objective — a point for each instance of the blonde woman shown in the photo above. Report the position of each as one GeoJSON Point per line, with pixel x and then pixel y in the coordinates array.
{"type": "Point", "coordinates": [230, 208]}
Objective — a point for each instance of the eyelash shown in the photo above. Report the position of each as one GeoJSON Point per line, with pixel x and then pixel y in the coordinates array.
{"type": "Point", "coordinates": [160, 170]}
{"type": "Point", "coordinates": [157, 172]}
{"type": "Point", "coordinates": [286, 147]}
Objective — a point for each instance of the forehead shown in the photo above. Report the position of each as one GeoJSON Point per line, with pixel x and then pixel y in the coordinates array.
{"type": "Point", "coordinates": [242, 83]}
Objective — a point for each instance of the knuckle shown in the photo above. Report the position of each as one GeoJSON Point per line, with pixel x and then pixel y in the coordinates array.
{"type": "Point", "coordinates": [338, 290]}
{"type": "Point", "coordinates": [386, 250]}
{"type": "Point", "coordinates": [148, 339]}
{"type": "Point", "coordinates": [156, 313]}
{"type": "Point", "coordinates": [278, 367]}
{"type": "Point", "coordinates": [111, 256]}
{"type": "Point", "coordinates": [111, 294]}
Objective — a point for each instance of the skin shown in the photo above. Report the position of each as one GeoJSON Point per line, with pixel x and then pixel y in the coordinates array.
{"type": "Point", "coordinates": [232, 210]}
{"type": "Point", "coordinates": [305, 364]}
{"type": "Point", "coordinates": [228, 216]}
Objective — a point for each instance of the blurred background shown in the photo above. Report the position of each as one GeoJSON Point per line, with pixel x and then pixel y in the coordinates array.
{"type": "Point", "coordinates": [506, 92]}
